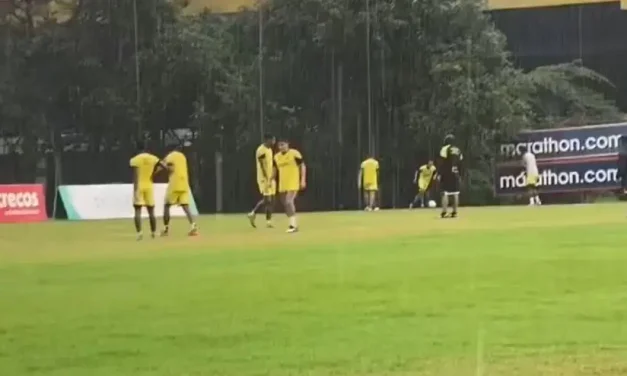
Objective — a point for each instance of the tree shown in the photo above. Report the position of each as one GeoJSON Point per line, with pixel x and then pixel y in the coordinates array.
{"type": "Point", "coordinates": [340, 78]}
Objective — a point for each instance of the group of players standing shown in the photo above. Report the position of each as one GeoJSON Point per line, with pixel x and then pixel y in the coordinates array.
{"type": "Point", "coordinates": [285, 173]}
{"type": "Point", "coordinates": [446, 173]}
{"type": "Point", "coordinates": [288, 168]}
{"type": "Point", "coordinates": [145, 167]}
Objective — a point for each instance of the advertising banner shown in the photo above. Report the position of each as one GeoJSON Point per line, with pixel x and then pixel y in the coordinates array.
{"type": "Point", "coordinates": [22, 203]}
{"type": "Point", "coordinates": [110, 201]}
{"type": "Point", "coordinates": [567, 142]}
{"type": "Point", "coordinates": [566, 175]}
{"type": "Point", "coordinates": [519, 4]}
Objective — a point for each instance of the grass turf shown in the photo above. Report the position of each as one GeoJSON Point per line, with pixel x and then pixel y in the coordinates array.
{"type": "Point", "coordinates": [498, 291]}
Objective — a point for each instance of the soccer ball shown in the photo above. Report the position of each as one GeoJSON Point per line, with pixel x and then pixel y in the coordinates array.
{"type": "Point", "coordinates": [432, 204]}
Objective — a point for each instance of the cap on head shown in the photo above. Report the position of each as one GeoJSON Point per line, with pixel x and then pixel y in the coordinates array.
{"type": "Point", "coordinates": [140, 145]}
{"type": "Point", "coordinates": [449, 138]}
{"type": "Point", "coordinates": [523, 148]}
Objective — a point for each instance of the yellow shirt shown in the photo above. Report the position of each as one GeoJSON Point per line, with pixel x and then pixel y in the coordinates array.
{"type": "Point", "coordinates": [263, 156]}
{"type": "Point", "coordinates": [369, 168]}
{"type": "Point", "coordinates": [425, 173]}
{"type": "Point", "coordinates": [144, 164]}
{"type": "Point", "coordinates": [179, 179]}
{"type": "Point", "coordinates": [289, 171]}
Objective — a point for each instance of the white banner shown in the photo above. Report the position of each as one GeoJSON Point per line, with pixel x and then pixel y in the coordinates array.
{"type": "Point", "coordinates": [111, 201]}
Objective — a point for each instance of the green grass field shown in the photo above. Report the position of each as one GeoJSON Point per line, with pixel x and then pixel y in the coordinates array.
{"type": "Point", "coordinates": [499, 291]}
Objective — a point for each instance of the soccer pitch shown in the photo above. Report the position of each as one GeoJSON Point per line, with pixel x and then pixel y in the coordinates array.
{"type": "Point", "coordinates": [499, 291]}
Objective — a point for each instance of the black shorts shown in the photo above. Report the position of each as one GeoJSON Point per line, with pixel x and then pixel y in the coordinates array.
{"type": "Point", "coordinates": [449, 183]}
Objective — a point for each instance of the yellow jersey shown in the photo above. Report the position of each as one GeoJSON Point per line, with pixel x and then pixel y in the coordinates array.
{"type": "Point", "coordinates": [263, 159]}
{"type": "Point", "coordinates": [178, 180]}
{"type": "Point", "coordinates": [288, 165]}
{"type": "Point", "coordinates": [425, 173]}
{"type": "Point", "coordinates": [370, 169]}
{"type": "Point", "coordinates": [144, 164]}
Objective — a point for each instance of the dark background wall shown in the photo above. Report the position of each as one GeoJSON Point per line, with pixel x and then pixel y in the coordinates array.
{"type": "Point", "coordinates": [594, 33]}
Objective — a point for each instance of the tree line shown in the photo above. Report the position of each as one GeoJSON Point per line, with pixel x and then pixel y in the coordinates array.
{"type": "Point", "coordinates": [340, 78]}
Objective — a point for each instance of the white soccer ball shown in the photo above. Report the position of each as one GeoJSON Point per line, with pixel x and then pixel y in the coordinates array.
{"type": "Point", "coordinates": [432, 204]}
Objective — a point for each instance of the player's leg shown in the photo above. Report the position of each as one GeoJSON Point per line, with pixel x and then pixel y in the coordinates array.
{"type": "Point", "coordinates": [193, 230]}
{"type": "Point", "coordinates": [445, 182]}
{"type": "Point", "coordinates": [371, 198]}
{"type": "Point", "coordinates": [284, 203]}
{"type": "Point", "coordinates": [290, 210]}
{"type": "Point", "coordinates": [537, 196]}
{"type": "Point", "coordinates": [138, 221]}
{"type": "Point", "coordinates": [366, 200]}
{"type": "Point", "coordinates": [445, 197]}
{"type": "Point", "coordinates": [455, 187]}
{"type": "Point", "coordinates": [455, 204]}
{"type": "Point", "coordinates": [426, 197]}
{"type": "Point", "coordinates": [269, 203]}
{"type": "Point", "coordinates": [534, 192]}
{"type": "Point", "coordinates": [166, 219]}
{"type": "Point", "coordinates": [375, 199]}
{"type": "Point", "coordinates": [414, 202]}
{"type": "Point", "coordinates": [170, 200]}
{"type": "Point", "coordinates": [152, 219]}
{"type": "Point", "coordinates": [183, 198]}
{"type": "Point", "coordinates": [421, 198]}
{"type": "Point", "coordinates": [530, 195]}
{"type": "Point", "coordinates": [149, 200]}
{"type": "Point", "coordinates": [139, 201]}
{"type": "Point", "coordinates": [253, 213]}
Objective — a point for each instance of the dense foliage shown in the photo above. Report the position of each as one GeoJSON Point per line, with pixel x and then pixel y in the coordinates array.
{"type": "Point", "coordinates": [340, 78]}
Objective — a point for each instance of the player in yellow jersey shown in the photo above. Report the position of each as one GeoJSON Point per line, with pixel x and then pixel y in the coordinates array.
{"type": "Point", "coordinates": [423, 178]}
{"type": "Point", "coordinates": [290, 166]}
{"type": "Point", "coordinates": [265, 180]}
{"type": "Point", "coordinates": [144, 166]}
{"type": "Point", "coordinates": [368, 180]}
{"type": "Point", "coordinates": [179, 191]}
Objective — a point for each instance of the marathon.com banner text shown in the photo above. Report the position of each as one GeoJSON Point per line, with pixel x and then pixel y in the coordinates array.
{"type": "Point", "coordinates": [567, 142]}
{"type": "Point", "coordinates": [560, 176]}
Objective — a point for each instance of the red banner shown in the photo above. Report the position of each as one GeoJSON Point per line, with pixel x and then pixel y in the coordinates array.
{"type": "Point", "coordinates": [21, 203]}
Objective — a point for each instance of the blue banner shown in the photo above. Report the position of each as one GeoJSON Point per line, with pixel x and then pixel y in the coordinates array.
{"type": "Point", "coordinates": [567, 142]}
{"type": "Point", "coordinates": [565, 175]}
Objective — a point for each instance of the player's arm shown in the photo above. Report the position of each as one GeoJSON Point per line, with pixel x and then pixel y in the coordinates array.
{"type": "Point", "coordinates": [377, 174]}
{"type": "Point", "coordinates": [416, 176]}
{"type": "Point", "coordinates": [161, 165]}
{"type": "Point", "coordinates": [460, 163]}
{"type": "Point", "coordinates": [303, 172]}
{"type": "Point", "coordinates": [261, 159]}
{"type": "Point", "coordinates": [135, 179]}
{"type": "Point", "coordinates": [359, 177]}
{"type": "Point", "coordinates": [134, 163]}
{"type": "Point", "coordinates": [275, 169]}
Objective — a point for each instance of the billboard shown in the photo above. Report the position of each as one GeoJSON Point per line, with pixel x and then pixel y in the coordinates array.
{"type": "Point", "coordinates": [22, 203]}
{"type": "Point", "coordinates": [573, 159]}
{"type": "Point", "coordinates": [521, 4]}
{"type": "Point", "coordinates": [561, 175]}
{"type": "Point", "coordinates": [567, 142]}
{"type": "Point", "coordinates": [111, 201]}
